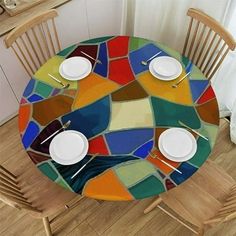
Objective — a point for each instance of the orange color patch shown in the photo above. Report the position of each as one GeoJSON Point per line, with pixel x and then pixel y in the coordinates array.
{"type": "Point", "coordinates": [106, 186]}
{"type": "Point", "coordinates": [91, 89]}
{"type": "Point", "coordinates": [163, 89]}
{"type": "Point", "coordinates": [162, 166]}
{"type": "Point", "coordinates": [24, 115]}
{"type": "Point", "coordinates": [70, 92]}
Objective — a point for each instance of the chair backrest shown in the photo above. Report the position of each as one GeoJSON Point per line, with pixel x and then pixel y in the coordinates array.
{"type": "Point", "coordinates": [35, 41]}
{"type": "Point", "coordinates": [207, 42]}
{"type": "Point", "coordinates": [11, 193]}
{"type": "Point", "coordinates": [227, 211]}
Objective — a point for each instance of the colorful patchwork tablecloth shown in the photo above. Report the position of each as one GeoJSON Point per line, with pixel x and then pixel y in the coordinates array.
{"type": "Point", "coordinates": [122, 110]}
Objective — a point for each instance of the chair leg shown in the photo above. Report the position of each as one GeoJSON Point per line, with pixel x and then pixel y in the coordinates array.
{"type": "Point", "coordinates": [201, 231]}
{"type": "Point", "coordinates": [47, 226]}
{"type": "Point", "coordinates": [153, 205]}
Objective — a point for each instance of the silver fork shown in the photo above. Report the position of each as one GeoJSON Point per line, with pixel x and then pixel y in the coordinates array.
{"type": "Point", "coordinates": [144, 63]}
{"type": "Point", "coordinates": [64, 86]}
{"type": "Point", "coordinates": [166, 163]}
{"type": "Point", "coordinates": [176, 84]}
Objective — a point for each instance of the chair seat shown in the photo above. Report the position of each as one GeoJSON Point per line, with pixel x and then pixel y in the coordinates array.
{"type": "Point", "coordinates": [200, 197]}
{"type": "Point", "coordinates": [44, 194]}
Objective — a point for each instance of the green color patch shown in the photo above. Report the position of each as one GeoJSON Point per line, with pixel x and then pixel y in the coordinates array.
{"type": "Point", "coordinates": [43, 89]}
{"type": "Point", "coordinates": [65, 52]}
{"type": "Point", "coordinates": [170, 51]}
{"type": "Point", "coordinates": [196, 74]}
{"type": "Point", "coordinates": [136, 43]}
{"type": "Point", "coordinates": [141, 168]}
{"type": "Point", "coordinates": [149, 187]}
{"type": "Point", "coordinates": [210, 131]}
{"type": "Point", "coordinates": [168, 114]}
{"type": "Point", "coordinates": [185, 61]}
{"type": "Point", "coordinates": [203, 151]}
{"type": "Point", "coordinates": [48, 171]}
{"type": "Point", "coordinates": [98, 40]}
{"type": "Point", "coordinates": [63, 184]}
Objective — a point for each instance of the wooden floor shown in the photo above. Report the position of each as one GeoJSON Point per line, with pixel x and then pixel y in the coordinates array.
{"type": "Point", "coordinates": [95, 218]}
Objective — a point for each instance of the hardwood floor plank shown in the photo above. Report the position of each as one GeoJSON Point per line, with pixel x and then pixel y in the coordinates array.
{"type": "Point", "coordinates": [108, 213]}
{"type": "Point", "coordinates": [83, 229]}
{"type": "Point", "coordinates": [75, 217]}
{"type": "Point", "coordinates": [132, 221]}
{"type": "Point", "coordinates": [162, 224]}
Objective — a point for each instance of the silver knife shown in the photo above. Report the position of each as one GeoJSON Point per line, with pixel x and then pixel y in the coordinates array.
{"type": "Point", "coordinates": [84, 165]}
{"type": "Point", "coordinates": [66, 125]}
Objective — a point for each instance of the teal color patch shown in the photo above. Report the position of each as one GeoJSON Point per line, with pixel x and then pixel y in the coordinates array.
{"type": "Point", "coordinates": [48, 171]}
{"type": "Point", "coordinates": [149, 187]}
{"type": "Point", "coordinates": [43, 89]}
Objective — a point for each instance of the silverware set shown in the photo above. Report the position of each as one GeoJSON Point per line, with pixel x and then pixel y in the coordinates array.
{"type": "Point", "coordinates": [153, 155]}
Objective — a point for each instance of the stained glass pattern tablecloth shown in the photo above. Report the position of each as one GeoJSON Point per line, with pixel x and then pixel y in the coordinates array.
{"type": "Point", "coordinates": [122, 110]}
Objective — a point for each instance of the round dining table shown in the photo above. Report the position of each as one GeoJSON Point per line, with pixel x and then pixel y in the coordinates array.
{"type": "Point", "coordinates": [122, 109]}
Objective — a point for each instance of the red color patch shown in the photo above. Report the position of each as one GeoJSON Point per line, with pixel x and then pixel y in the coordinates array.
{"type": "Point", "coordinates": [207, 95]}
{"type": "Point", "coordinates": [169, 184]}
{"type": "Point", "coordinates": [98, 145]}
{"type": "Point", "coordinates": [120, 71]}
{"type": "Point", "coordinates": [118, 47]}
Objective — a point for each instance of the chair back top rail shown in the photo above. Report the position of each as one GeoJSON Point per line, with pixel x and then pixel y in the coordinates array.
{"type": "Point", "coordinates": [214, 25]}
{"type": "Point", "coordinates": [35, 41]}
{"type": "Point", "coordinates": [31, 23]}
{"type": "Point", "coordinates": [207, 42]}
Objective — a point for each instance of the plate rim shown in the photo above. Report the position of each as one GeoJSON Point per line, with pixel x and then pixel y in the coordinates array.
{"type": "Point", "coordinates": [164, 78]}
{"type": "Point", "coordinates": [75, 78]}
{"type": "Point", "coordinates": [72, 161]}
{"type": "Point", "coordinates": [182, 159]}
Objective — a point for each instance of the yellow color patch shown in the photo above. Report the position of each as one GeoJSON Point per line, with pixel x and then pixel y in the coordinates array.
{"type": "Point", "coordinates": [163, 89]}
{"type": "Point", "coordinates": [93, 88]}
{"type": "Point", "coordinates": [52, 67]}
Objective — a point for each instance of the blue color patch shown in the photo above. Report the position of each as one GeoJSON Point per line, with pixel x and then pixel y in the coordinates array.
{"type": "Point", "coordinates": [30, 134]}
{"type": "Point", "coordinates": [90, 120]}
{"type": "Point", "coordinates": [187, 171]}
{"type": "Point", "coordinates": [35, 98]}
{"type": "Point", "coordinates": [197, 88]}
{"type": "Point", "coordinates": [126, 141]}
{"type": "Point", "coordinates": [141, 54]}
{"type": "Point", "coordinates": [101, 69]}
{"type": "Point", "coordinates": [144, 150]}
{"type": "Point", "coordinates": [93, 169]}
{"type": "Point", "coordinates": [29, 88]}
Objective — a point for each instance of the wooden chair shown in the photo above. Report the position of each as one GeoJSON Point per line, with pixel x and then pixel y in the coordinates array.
{"type": "Point", "coordinates": [35, 40]}
{"type": "Point", "coordinates": [37, 195]}
{"type": "Point", "coordinates": [207, 42]}
{"type": "Point", "coordinates": [206, 199]}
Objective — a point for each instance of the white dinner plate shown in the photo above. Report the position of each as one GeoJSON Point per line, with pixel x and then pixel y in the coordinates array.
{"type": "Point", "coordinates": [177, 144]}
{"type": "Point", "coordinates": [68, 147]}
{"type": "Point", "coordinates": [75, 68]}
{"type": "Point", "coordinates": [165, 68]}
